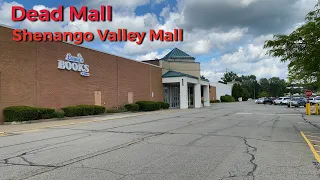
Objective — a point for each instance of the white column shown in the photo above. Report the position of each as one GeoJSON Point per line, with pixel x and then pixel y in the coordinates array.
{"type": "Point", "coordinates": [206, 96]}
{"type": "Point", "coordinates": [183, 94]}
{"type": "Point", "coordinates": [197, 96]}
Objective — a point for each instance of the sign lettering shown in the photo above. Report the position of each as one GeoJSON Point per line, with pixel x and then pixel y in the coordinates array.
{"type": "Point", "coordinates": [74, 63]}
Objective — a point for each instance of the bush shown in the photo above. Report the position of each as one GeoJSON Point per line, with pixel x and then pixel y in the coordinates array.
{"type": "Point", "coordinates": [116, 110]}
{"type": "Point", "coordinates": [227, 98]}
{"type": "Point", "coordinates": [164, 105]}
{"type": "Point", "coordinates": [72, 111]}
{"type": "Point", "coordinates": [87, 110]}
{"type": "Point", "coordinates": [46, 113]}
{"type": "Point", "coordinates": [99, 110]}
{"type": "Point", "coordinates": [214, 101]}
{"type": "Point", "coordinates": [20, 113]}
{"type": "Point", "coordinates": [148, 105]}
{"type": "Point", "coordinates": [59, 114]}
{"type": "Point", "coordinates": [132, 107]}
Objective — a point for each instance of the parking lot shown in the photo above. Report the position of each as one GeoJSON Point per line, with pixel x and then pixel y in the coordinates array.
{"type": "Point", "coordinates": [225, 141]}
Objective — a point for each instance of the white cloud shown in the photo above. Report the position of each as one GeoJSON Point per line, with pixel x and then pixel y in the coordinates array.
{"type": "Point", "coordinates": [246, 60]}
{"type": "Point", "coordinates": [5, 11]}
{"type": "Point", "coordinates": [153, 55]}
{"type": "Point", "coordinates": [46, 26]}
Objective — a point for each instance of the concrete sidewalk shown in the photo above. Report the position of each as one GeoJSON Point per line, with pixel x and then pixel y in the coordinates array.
{"type": "Point", "coordinates": [65, 122]}
{"type": "Point", "coordinates": [51, 123]}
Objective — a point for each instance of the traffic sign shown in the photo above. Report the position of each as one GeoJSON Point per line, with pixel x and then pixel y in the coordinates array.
{"type": "Point", "coordinates": [308, 93]}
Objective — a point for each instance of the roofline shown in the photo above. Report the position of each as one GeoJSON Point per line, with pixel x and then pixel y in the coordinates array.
{"type": "Point", "coordinates": [6, 26]}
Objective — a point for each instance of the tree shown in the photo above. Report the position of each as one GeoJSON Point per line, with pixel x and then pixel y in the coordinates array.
{"type": "Point", "coordinates": [229, 77]}
{"type": "Point", "coordinates": [263, 94]}
{"type": "Point", "coordinates": [301, 49]}
{"type": "Point", "coordinates": [203, 78]}
{"type": "Point", "coordinates": [250, 83]}
{"type": "Point", "coordinates": [237, 91]}
{"type": "Point", "coordinates": [264, 83]}
{"type": "Point", "coordinates": [277, 87]}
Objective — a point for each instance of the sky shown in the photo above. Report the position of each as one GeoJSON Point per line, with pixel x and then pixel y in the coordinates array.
{"type": "Point", "coordinates": [223, 35]}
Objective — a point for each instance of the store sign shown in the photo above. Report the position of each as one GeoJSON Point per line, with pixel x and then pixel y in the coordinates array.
{"type": "Point", "coordinates": [74, 63]}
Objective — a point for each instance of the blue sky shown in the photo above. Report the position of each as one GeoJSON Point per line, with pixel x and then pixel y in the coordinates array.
{"type": "Point", "coordinates": [221, 34]}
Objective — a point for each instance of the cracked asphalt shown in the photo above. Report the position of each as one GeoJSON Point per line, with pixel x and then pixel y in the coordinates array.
{"type": "Point", "coordinates": [223, 142]}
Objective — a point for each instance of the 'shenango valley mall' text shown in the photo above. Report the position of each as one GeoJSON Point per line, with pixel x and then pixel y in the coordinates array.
{"type": "Point", "coordinates": [103, 14]}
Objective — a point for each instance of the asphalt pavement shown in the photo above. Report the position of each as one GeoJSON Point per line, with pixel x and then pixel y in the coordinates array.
{"type": "Point", "coordinates": [223, 142]}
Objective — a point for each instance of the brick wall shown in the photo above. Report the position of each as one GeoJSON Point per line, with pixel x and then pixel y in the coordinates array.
{"type": "Point", "coordinates": [29, 76]}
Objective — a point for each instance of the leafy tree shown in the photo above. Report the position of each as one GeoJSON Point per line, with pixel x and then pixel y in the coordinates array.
{"type": "Point", "coordinates": [229, 77]}
{"type": "Point", "coordinates": [301, 49]}
{"type": "Point", "coordinates": [277, 87]}
{"type": "Point", "coordinates": [263, 94]}
{"type": "Point", "coordinates": [237, 91]}
{"type": "Point", "coordinates": [264, 83]}
{"type": "Point", "coordinates": [245, 95]}
{"type": "Point", "coordinates": [203, 78]}
{"type": "Point", "coordinates": [251, 84]}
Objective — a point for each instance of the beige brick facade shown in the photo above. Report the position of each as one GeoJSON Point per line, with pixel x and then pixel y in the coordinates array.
{"type": "Point", "coordinates": [29, 76]}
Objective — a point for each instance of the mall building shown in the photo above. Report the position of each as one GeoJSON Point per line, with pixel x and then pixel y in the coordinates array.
{"type": "Point", "coordinates": [55, 75]}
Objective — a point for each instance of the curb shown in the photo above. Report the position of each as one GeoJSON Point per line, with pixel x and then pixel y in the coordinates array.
{"type": "Point", "coordinates": [61, 119]}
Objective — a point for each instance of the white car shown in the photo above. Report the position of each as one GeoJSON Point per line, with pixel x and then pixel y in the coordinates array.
{"type": "Point", "coordinates": [281, 100]}
{"type": "Point", "coordinates": [285, 101]}
{"type": "Point", "coordinates": [259, 101]}
{"type": "Point", "coordinates": [315, 100]}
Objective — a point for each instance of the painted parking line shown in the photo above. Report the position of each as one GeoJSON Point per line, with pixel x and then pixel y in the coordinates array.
{"type": "Point", "coordinates": [312, 146]}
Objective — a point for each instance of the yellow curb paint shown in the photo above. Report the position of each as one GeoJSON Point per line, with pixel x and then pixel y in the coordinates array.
{"type": "Point", "coordinates": [33, 130]}
{"type": "Point", "coordinates": [3, 134]}
{"type": "Point", "coordinates": [316, 155]}
{"type": "Point", "coordinates": [60, 125]}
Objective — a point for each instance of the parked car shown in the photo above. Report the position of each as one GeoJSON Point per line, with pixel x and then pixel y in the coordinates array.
{"type": "Point", "coordinates": [285, 101]}
{"type": "Point", "coordinates": [279, 101]}
{"type": "Point", "coordinates": [268, 101]}
{"type": "Point", "coordinates": [259, 101]}
{"type": "Point", "coordinates": [315, 100]}
{"type": "Point", "coordinates": [297, 102]}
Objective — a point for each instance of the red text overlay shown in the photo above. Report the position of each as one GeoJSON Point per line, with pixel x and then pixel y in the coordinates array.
{"type": "Point", "coordinates": [103, 14]}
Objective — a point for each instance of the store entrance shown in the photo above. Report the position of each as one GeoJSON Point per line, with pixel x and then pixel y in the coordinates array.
{"type": "Point", "coordinates": [172, 95]}
{"type": "Point", "coordinates": [191, 96]}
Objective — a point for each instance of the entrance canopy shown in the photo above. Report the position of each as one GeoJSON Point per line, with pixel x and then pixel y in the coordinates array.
{"type": "Point", "coordinates": [184, 91]}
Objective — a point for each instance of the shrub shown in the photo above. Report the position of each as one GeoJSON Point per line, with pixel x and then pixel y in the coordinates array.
{"type": "Point", "coordinates": [99, 110]}
{"type": "Point", "coordinates": [164, 105]}
{"type": "Point", "coordinates": [59, 114]}
{"type": "Point", "coordinates": [46, 113]}
{"type": "Point", "coordinates": [227, 98]}
{"type": "Point", "coordinates": [87, 110]}
{"type": "Point", "coordinates": [20, 113]}
{"type": "Point", "coordinates": [132, 107]}
{"type": "Point", "coordinates": [72, 111]}
{"type": "Point", "coordinates": [116, 110]}
{"type": "Point", "coordinates": [148, 105]}
{"type": "Point", "coordinates": [214, 101]}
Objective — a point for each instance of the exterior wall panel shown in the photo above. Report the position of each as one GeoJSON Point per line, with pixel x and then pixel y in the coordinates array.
{"type": "Point", "coordinates": [29, 75]}
{"type": "Point", "coordinates": [213, 94]}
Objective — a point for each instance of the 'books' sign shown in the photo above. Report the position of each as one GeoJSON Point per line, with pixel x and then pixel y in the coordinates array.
{"type": "Point", "coordinates": [74, 63]}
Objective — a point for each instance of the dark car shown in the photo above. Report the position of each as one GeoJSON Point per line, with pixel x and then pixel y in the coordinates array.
{"type": "Point", "coordinates": [297, 102]}
{"type": "Point", "coordinates": [268, 101]}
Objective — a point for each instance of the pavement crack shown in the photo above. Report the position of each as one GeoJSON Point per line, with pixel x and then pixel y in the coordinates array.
{"type": "Point", "coordinates": [255, 166]}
